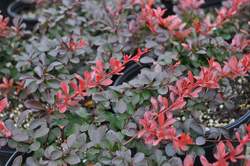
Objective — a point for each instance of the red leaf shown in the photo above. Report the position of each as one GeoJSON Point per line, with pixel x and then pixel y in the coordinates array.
{"type": "Point", "coordinates": [178, 104]}
{"type": "Point", "coordinates": [3, 104]}
{"type": "Point", "coordinates": [4, 28]}
{"type": "Point", "coordinates": [163, 101]}
{"type": "Point", "coordinates": [204, 161]}
{"type": "Point", "coordinates": [65, 88]}
{"type": "Point", "coordinates": [7, 85]}
{"type": "Point", "coordinates": [73, 85]}
{"type": "Point", "coordinates": [196, 92]}
{"type": "Point", "coordinates": [106, 82]}
{"type": "Point", "coordinates": [4, 130]}
{"type": "Point", "coordinates": [188, 161]}
{"type": "Point", "coordinates": [72, 44]}
{"type": "Point", "coordinates": [197, 25]}
{"type": "Point", "coordinates": [99, 68]}
{"type": "Point", "coordinates": [126, 58]}
{"type": "Point", "coordinates": [235, 153]}
{"type": "Point", "coordinates": [221, 153]}
{"type": "Point", "coordinates": [245, 61]}
{"type": "Point", "coordinates": [154, 104]}
{"type": "Point", "coordinates": [116, 65]}
{"type": "Point", "coordinates": [139, 54]}
{"type": "Point", "coordinates": [190, 76]}
{"type": "Point", "coordinates": [62, 108]}
{"type": "Point", "coordinates": [190, 4]}
{"type": "Point", "coordinates": [182, 141]}
{"type": "Point", "coordinates": [161, 118]}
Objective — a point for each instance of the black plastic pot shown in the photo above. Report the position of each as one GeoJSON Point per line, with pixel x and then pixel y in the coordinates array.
{"type": "Point", "coordinates": [169, 6]}
{"type": "Point", "coordinates": [208, 4]}
{"type": "Point", "coordinates": [212, 3]}
{"type": "Point", "coordinates": [12, 158]}
{"type": "Point", "coordinates": [209, 147]}
{"type": "Point", "coordinates": [133, 70]}
{"type": "Point", "coordinates": [5, 154]}
{"type": "Point", "coordinates": [4, 5]}
{"type": "Point", "coordinates": [209, 154]}
{"type": "Point", "coordinates": [15, 9]}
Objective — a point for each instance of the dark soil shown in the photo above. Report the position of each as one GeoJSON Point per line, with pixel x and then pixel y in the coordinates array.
{"type": "Point", "coordinates": [213, 112]}
{"type": "Point", "coordinates": [240, 103]}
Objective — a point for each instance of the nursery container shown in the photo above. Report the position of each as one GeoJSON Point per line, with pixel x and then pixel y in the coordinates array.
{"type": "Point", "coordinates": [212, 3]}
{"type": "Point", "coordinates": [208, 3]}
{"type": "Point", "coordinates": [12, 158]}
{"type": "Point", "coordinates": [5, 154]}
{"type": "Point", "coordinates": [133, 70]}
{"type": "Point", "coordinates": [169, 6]}
{"type": "Point", "coordinates": [17, 7]}
{"type": "Point", "coordinates": [4, 5]}
{"type": "Point", "coordinates": [209, 147]}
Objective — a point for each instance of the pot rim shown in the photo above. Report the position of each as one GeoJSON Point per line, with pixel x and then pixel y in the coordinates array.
{"type": "Point", "coordinates": [6, 150]}
{"type": "Point", "coordinates": [212, 3]}
{"type": "Point", "coordinates": [13, 156]}
{"type": "Point", "coordinates": [17, 6]}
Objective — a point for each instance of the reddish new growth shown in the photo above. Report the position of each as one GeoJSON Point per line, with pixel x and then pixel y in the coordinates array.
{"type": "Point", "coordinates": [8, 85]}
{"type": "Point", "coordinates": [154, 18]}
{"type": "Point", "coordinates": [158, 122]}
{"type": "Point", "coordinates": [226, 152]}
{"type": "Point", "coordinates": [175, 26]}
{"type": "Point", "coordinates": [72, 44]}
{"type": "Point", "coordinates": [3, 104]}
{"type": "Point", "coordinates": [223, 15]}
{"type": "Point", "coordinates": [239, 43]}
{"type": "Point", "coordinates": [4, 28]}
{"type": "Point", "coordinates": [161, 129]}
{"type": "Point", "coordinates": [3, 129]}
{"type": "Point", "coordinates": [186, 5]}
{"type": "Point", "coordinates": [97, 78]}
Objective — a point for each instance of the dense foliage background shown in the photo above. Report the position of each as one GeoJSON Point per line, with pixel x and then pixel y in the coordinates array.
{"type": "Point", "coordinates": [59, 104]}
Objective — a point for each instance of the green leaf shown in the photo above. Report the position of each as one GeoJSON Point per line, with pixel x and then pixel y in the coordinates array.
{"type": "Point", "coordinates": [35, 146]}
{"type": "Point", "coordinates": [138, 157]}
{"type": "Point", "coordinates": [73, 159]}
{"type": "Point", "coordinates": [147, 59]}
{"type": "Point", "coordinates": [115, 121]}
{"type": "Point", "coordinates": [30, 161]}
{"type": "Point", "coordinates": [54, 134]}
{"type": "Point", "coordinates": [71, 140]}
{"type": "Point", "coordinates": [59, 122]}
{"type": "Point", "coordinates": [82, 112]}
{"type": "Point", "coordinates": [55, 155]}
{"type": "Point", "coordinates": [96, 134]}
{"type": "Point", "coordinates": [197, 150]}
{"type": "Point", "coordinates": [42, 131]}
{"type": "Point", "coordinates": [200, 140]}
{"type": "Point", "coordinates": [146, 95]}
{"type": "Point", "coordinates": [135, 99]}
{"type": "Point", "coordinates": [170, 150]}
{"type": "Point", "coordinates": [120, 106]}
{"type": "Point", "coordinates": [20, 136]}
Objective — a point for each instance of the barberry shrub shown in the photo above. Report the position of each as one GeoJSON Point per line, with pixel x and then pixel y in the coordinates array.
{"type": "Point", "coordinates": [59, 105]}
